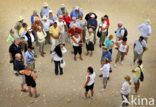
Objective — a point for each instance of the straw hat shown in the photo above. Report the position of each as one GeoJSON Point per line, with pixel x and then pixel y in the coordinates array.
{"type": "Point", "coordinates": [44, 18]}
{"type": "Point", "coordinates": [77, 7]}
{"type": "Point", "coordinates": [20, 18]}
{"type": "Point", "coordinates": [148, 21]}
{"type": "Point", "coordinates": [62, 5]}
{"type": "Point", "coordinates": [45, 4]}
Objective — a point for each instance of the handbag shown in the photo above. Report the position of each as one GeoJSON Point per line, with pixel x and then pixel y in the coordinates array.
{"type": "Point", "coordinates": [62, 64]}
{"type": "Point", "coordinates": [99, 33]}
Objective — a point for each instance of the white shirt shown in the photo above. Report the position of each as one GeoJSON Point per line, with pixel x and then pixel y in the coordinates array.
{"type": "Point", "coordinates": [83, 24]}
{"type": "Point", "coordinates": [77, 40]}
{"type": "Point", "coordinates": [32, 37]}
{"type": "Point", "coordinates": [125, 88]}
{"type": "Point", "coordinates": [56, 57]}
{"type": "Point", "coordinates": [105, 70]}
{"type": "Point", "coordinates": [61, 25]}
{"type": "Point", "coordinates": [92, 79]}
{"type": "Point", "coordinates": [122, 48]}
{"type": "Point", "coordinates": [145, 30]}
{"type": "Point", "coordinates": [120, 32]}
{"type": "Point", "coordinates": [46, 25]}
{"type": "Point", "coordinates": [41, 36]}
{"type": "Point", "coordinates": [139, 46]}
{"type": "Point", "coordinates": [104, 25]}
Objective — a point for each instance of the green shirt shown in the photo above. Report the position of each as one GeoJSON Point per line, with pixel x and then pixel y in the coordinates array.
{"type": "Point", "coordinates": [11, 38]}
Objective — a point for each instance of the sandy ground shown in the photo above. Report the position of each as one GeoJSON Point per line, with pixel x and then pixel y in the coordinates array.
{"type": "Point", "coordinates": [67, 90]}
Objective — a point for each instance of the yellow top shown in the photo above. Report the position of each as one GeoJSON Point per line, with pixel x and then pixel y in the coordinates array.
{"type": "Point", "coordinates": [54, 31]}
{"type": "Point", "coordinates": [137, 72]}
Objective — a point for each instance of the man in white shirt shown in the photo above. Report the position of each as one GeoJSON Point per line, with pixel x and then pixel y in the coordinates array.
{"type": "Point", "coordinates": [145, 29]}
{"type": "Point", "coordinates": [120, 32]}
{"type": "Point", "coordinates": [74, 21]}
{"type": "Point", "coordinates": [46, 26]}
{"type": "Point", "coordinates": [139, 49]}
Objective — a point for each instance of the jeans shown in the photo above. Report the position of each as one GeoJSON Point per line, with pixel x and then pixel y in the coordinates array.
{"type": "Point", "coordinates": [57, 65]}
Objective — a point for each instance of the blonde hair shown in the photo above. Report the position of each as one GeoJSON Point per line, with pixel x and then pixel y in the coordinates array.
{"type": "Point", "coordinates": [110, 37]}
{"type": "Point", "coordinates": [128, 79]}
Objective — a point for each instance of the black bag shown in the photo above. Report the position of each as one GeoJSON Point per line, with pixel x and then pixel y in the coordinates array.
{"type": "Point", "coordinates": [142, 75]}
{"type": "Point", "coordinates": [126, 32]}
{"type": "Point", "coordinates": [99, 33]}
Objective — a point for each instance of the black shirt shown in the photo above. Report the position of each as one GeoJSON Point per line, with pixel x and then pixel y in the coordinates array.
{"type": "Point", "coordinates": [19, 65]}
{"type": "Point", "coordinates": [14, 50]}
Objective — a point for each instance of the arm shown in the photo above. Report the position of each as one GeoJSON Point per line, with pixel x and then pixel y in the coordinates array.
{"type": "Point", "coordinates": [22, 72]}
{"type": "Point", "coordinates": [127, 50]}
{"type": "Point", "coordinates": [11, 58]}
{"type": "Point", "coordinates": [34, 76]}
{"type": "Point", "coordinates": [88, 79]}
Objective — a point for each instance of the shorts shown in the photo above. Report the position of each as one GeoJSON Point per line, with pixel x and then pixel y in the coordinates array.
{"type": "Point", "coordinates": [22, 79]}
{"type": "Point", "coordinates": [105, 81]}
{"type": "Point", "coordinates": [137, 56]}
{"type": "Point", "coordinates": [77, 49]}
{"type": "Point", "coordinates": [135, 80]}
{"type": "Point", "coordinates": [31, 84]}
{"type": "Point", "coordinates": [91, 87]}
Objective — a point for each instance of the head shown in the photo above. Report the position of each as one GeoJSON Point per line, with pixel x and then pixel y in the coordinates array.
{"type": "Point", "coordinates": [45, 5]}
{"type": "Point", "coordinates": [102, 19]}
{"type": "Point", "coordinates": [29, 30]}
{"type": "Point", "coordinates": [66, 14]}
{"type": "Point", "coordinates": [76, 9]}
{"type": "Point", "coordinates": [36, 19]}
{"type": "Point", "coordinates": [139, 62]}
{"type": "Point", "coordinates": [105, 49]}
{"type": "Point", "coordinates": [76, 33]}
{"type": "Point", "coordinates": [58, 50]}
{"type": "Point", "coordinates": [90, 70]}
{"type": "Point", "coordinates": [11, 31]}
{"type": "Point", "coordinates": [44, 18]}
{"type": "Point", "coordinates": [80, 16]}
{"type": "Point", "coordinates": [120, 24]}
{"type": "Point", "coordinates": [105, 17]}
{"type": "Point", "coordinates": [110, 37]}
{"type": "Point", "coordinates": [39, 29]}
{"type": "Point", "coordinates": [50, 13]}
{"type": "Point", "coordinates": [30, 49]}
{"type": "Point", "coordinates": [62, 6]}
{"type": "Point", "coordinates": [92, 17]}
{"type": "Point", "coordinates": [141, 38]}
{"type": "Point", "coordinates": [18, 56]}
{"type": "Point", "coordinates": [55, 24]}
{"type": "Point", "coordinates": [128, 79]}
{"type": "Point", "coordinates": [34, 13]}
{"type": "Point", "coordinates": [148, 21]}
{"type": "Point", "coordinates": [17, 41]}
{"type": "Point", "coordinates": [60, 18]}
{"type": "Point", "coordinates": [74, 19]}
{"type": "Point", "coordinates": [124, 40]}
{"type": "Point", "coordinates": [106, 60]}
{"type": "Point", "coordinates": [90, 30]}
{"type": "Point", "coordinates": [25, 26]}
{"type": "Point", "coordinates": [28, 68]}
{"type": "Point", "coordinates": [21, 19]}
{"type": "Point", "coordinates": [74, 26]}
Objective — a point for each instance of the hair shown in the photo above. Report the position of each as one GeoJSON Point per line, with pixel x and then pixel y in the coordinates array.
{"type": "Point", "coordinates": [141, 37]}
{"type": "Point", "coordinates": [106, 60]}
{"type": "Point", "coordinates": [102, 18]}
{"type": "Point", "coordinates": [17, 55]}
{"type": "Point", "coordinates": [128, 79]}
{"type": "Point", "coordinates": [140, 62]}
{"type": "Point", "coordinates": [110, 37]}
{"type": "Point", "coordinates": [90, 69]}
{"type": "Point", "coordinates": [24, 25]}
{"type": "Point", "coordinates": [106, 16]}
{"type": "Point", "coordinates": [58, 50]}
{"type": "Point", "coordinates": [80, 16]}
{"type": "Point", "coordinates": [124, 39]}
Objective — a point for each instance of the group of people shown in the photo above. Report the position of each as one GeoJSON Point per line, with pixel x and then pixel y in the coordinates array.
{"type": "Point", "coordinates": [79, 31]}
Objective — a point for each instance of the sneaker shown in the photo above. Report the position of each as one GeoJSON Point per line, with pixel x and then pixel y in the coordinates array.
{"type": "Point", "coordinates": [102, 89]}
{"type": "Point", "coordinates": [115, 65]}
{"type": "Point", "coordinates": [121, 62]}
{"type": "Point", "coordinates": [132, 63]}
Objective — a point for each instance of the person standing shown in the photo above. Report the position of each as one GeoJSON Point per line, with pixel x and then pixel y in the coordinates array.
{"type": "Point", "coordinates": [109, 43]}
{"type": "Point", "coordinates": [140, 47]}
{"type": "Point", "coordinates": [30, 78]}
{"type": "Point", "coordinates": [123, 49]}
{"type": "Point", "coordinates": [41, 40]}
{"type": "Point", "coordinates": [67, 19]}
{"type": "Point", "coordinates": [23, 30]}
{"type": "Point", "coordinates": [52, 16]}
{"type": "Point", "coordinates": [33, 16]}
{"type": "Point", "coordinates": [11, 37]}
{"type": "Point", "coordinates": [55, 35]}
{"type": "Point", "coordinates": [46, 26]}
{"type": "Point", "coordinates": [57, 57]}
{"type": "Point", "coordinates": [125, 90]}
{"type": "Point", "coordinates": [90, 79]}
{"type": "Point", "coordinates": [103, 27]}
{"type": "Point", "coordinates": [145, 29]}
{"type": "Point", "coordinates": [74, 21]}
{"type": "Point", "coordinates": [137, 75]}
{"type": "Point", "coordinates": [105, 68]}
{"type": "Point", "coordinates": [77, 45]}
{"type": "Point", "coordinates": [90, 41]}
{"type": "Point", "coordinates": [92, 23]}
{"type": "Point", "coordinates": [76, 12]}
{"type": "Point", "coordinates": [88, 16]}
{"type": "Point", "coordinates": [19, 24]}
{"type": "Point", "coordinates": [62, 10]}
{"type": "Point", "coordinates": [108, 23]}
{"type": "Point", "coordinates": [44, 10]}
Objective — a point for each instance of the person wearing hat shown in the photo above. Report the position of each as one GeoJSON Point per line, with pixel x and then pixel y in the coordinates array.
{"type": "Point", "coordinates": [123, 49]}
{"type": "Point", "coordinates": [76, 12]}
{"type": "Point", "coordinates": [125, 90]}
{"type": "Point", "coordinates": [145, 29]}
{"type": "Point", "coordinates": [67, 19]}
{"type": "Point", "coordinates": [52, 16]}
{"type": "Point", "coordinates": [92, 23]}
{"type": "Point", "coordinates": [33, 16]}
{"type": "Point", "coordinates": [11, 36]}
{"type": "Point", "coordinates": [88, 16]}
{"type": "Point", "coordinates": [77, 44]}
{"type": "Point", "coordinates": [44, 10]}
{"type": "Point", "coordinates": [90, 41]}
{"type": "Point", "coordinates": [41, 34]}
{"type": "Point", "coordinates": [105, 68]}
{"type": "Point", "coordinates": [55, 34]}
{"type": "Point", "coordinates": [74, 21]}
{"type": "Point", "coordinates": [62, 10]}
{"type": "Point", "coordinates": [46, 23]}
{"type": "Point", "coordinates": [30, 58]}
{"type": "Point", "coordinates": [19, 24]}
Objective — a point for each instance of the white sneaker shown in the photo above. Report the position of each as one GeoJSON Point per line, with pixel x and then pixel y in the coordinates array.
{"type": "Point", "coordinates": [121, 62]}
{"type": "Point", "coordinates": [102, 89]}
{"type": "Point", "coordinates": [132, 63]}
{"type": "Point", "coordinates": [115, 65]}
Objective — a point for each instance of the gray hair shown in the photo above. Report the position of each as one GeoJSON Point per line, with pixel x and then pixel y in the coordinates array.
{"type": "Point", "coordinates": [120, 23]}
{"type": "Point", "coordinates": [17, 55]}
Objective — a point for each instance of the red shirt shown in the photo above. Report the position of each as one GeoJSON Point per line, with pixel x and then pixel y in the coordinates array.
{"type": "Point", "coordinates": [71, 30]}
{"type": "Point", "coordinates": [67, 20]}
{"type": "Point", "coordinates": [108, 22]}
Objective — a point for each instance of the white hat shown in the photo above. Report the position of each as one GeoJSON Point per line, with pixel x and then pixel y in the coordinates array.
{"type": "Point", "coordinates": [20, 18]}
{"type": "Point", "coordinates": [44, 18]}
{"type": "Point", "coordinates": [45, 4]}
{"type": "Point", "coordinates": [29, 29]}
{"type": "Point", "coordinates": [50, 11]}
{"type": "Point", "coordinates": [60, 16]}
{"type": "Point", "coordinates": [93, 16]}
{"type": "Point", "coordinates": [62, 5]}
{"type": "Point", "coordinates": [77, 7]}
{"type": "Point", "coordinates": [148, 21]}
{"type": "Point", "coordinates": [73, 18]}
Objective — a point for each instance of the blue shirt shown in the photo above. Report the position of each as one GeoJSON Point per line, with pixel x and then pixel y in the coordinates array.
{"type": "Point", "coordinates": [77, 24]}
{"type": "Point", "coordinates": [32, 18]}
{"type": "Point", "coordinates": [28, 56]}
{"type": "Point", "coordinates": [45, 11]}
{"type": "Point", "coordinates": [106, 55]}
{"type": "Point", "coordinates": [92, 23]}
{"type": "Point", "coordinates": [75, 14]}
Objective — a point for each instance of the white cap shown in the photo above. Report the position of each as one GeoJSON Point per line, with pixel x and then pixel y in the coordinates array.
{"type": "Point", "coordinates": [29, 29]}
{"type": "Point", "coordinates": [45, 4]}
{"type": "Point", "coordinates": [50, 11]}
{"type": "Point", "coordinates": [62, 5]}
{"type": "Point", "coordinates": [44, 18]}
{"type": "Point", "coordinates": [20, 18]}
{"type": "Point", "coordinates": [60, 16]}
{"type": "Point", "coordinates": [73, 18]}
{"type": "Point", "coordinates": [90, 29]}
{"type": "Point", "coordinates": [77, 7]}
{"type": "Point", "coordinates": [148, 21]}
{"type": "Point", "coordinates": [93, 16]}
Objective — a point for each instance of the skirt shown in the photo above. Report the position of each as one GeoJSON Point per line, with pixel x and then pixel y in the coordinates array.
{"type": "Point", "coordinates": [90, 46]}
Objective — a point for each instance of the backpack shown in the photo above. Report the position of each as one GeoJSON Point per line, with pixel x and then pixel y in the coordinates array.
{"type": "Point", "coordinates": [99, 33]}
{"type": "Point", "coordinates": [125, 33]}
{"type": "Point", "coordinates": [142, 75]}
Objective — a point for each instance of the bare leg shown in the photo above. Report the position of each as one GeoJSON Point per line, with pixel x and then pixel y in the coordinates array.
{"type": "Point", "coordinates": [29, 90]}
{"type": "Point", "coordinates": [35, 92]}
{"type": "Point", "coordinates": [92, 93]}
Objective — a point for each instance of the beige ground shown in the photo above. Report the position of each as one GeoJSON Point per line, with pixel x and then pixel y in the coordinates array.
{"type": "Point", "coordinates": [67, 90]}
